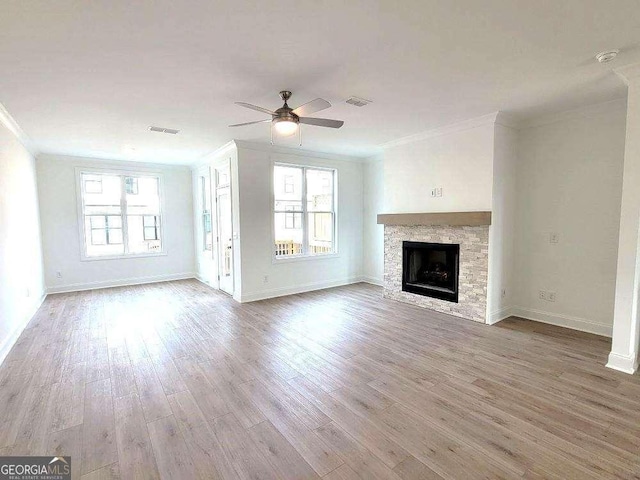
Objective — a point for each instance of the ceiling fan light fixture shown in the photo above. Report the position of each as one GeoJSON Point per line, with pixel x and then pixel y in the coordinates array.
{"type": "Point", "coordinates": [285, 127]}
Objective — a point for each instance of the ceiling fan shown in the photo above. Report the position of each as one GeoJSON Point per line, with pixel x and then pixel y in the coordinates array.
{"type": "Point", "coordinates": [286, 119]}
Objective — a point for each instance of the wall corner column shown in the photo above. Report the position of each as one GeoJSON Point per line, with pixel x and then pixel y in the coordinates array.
{"type": "Point", "coordinates": [626, 321]}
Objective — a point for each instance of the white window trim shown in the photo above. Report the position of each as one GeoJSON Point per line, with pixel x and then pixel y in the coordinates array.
{"type": "Point", "coordinates": [305, 231]}
{"type": "Point", "coordinates": [80, 212]}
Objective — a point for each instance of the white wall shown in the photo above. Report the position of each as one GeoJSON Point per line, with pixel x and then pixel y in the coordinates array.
{"type": "Point", "coordinates": [570, 182]}
{"type": "Point", "coordinates": [290, 276]}
{"type": "Point", "coordinates": [501, 289]}
{"type": "Point", "coordinates": [21, 277]}
{"type": "Point", "coordinates": [373, 240]}
{"type": "Point", "coordinates": [459, 162]}
{"type": "Point", "coordinates": [61, 239]}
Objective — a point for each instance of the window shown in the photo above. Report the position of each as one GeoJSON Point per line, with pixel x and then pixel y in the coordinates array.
{"type": "Point", "coordinates": [304, 210]}
{"type": "Point", "coordinates": [207, 230]}
{"type": "Point", "coordinates": [121, 214]}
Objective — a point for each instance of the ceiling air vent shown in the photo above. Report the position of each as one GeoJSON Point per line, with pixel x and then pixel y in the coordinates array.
{"type": "Point", "coordinates": [171, 131]}
{"type": "Point", "coordinates": [358, 102]}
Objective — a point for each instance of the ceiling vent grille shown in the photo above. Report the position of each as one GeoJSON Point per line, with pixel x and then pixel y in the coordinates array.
{"type": "Point", "coordinates": [170, 131]}
{"type": "Point", "coordinates": [358, 102]}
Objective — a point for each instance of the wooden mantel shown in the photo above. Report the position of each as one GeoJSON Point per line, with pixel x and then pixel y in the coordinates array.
{"type": "Point", "coordinates": [456, 219]}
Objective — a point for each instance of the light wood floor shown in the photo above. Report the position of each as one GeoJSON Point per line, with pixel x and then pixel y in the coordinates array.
{"type": "Point", "coordinates": [175, 380]}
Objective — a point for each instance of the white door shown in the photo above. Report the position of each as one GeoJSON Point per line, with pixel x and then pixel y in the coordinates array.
{"type": "Point", "coordinates": [225, 228]}
{"type": "Point", "coordinates": [207, 247]}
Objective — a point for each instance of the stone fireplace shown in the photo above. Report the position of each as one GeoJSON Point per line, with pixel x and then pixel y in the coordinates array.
{"type": "Point", "coordinates": [438, 261]}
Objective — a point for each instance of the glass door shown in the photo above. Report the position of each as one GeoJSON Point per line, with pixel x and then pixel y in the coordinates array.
{"type": "Point", "coordinates": [207, 244]}
{"type": "Point", "coordinates": [225, 228]}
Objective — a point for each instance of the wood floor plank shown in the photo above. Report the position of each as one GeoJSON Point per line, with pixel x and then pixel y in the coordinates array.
{"type": "Point", "coordinates": [316, 452]}
{"type": "Point", "coordinates": [239, 448]}
{"type": "Point", "coordinates": [135, 453]}
{"type": "Point", "coordinates": [286, 461]}
{"type": "Point", "coordinates": [172, 456]}
{"type": "Point", "coordinates": [68, 442]}
{"type": "Point", "coordinates": [340, 382]}
{"type": "Point", "coordinates": [412, 469]}
{"type": "Point", "coordinates": [354, 454]}
{"type": "Point", "coordinates": [205, 449]}
{"type": "Point", "coordinates": [152, 397]}
{"type": "Point", "coordinates": [110, 472]}
{"type": "Point", "coordinates": [98, 427]}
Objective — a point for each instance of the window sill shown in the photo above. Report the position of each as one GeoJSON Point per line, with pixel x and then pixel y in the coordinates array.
{"type": "Point", "coordinates": [303, 258]}
{"type": "Point", "coordinates": [122, 257]}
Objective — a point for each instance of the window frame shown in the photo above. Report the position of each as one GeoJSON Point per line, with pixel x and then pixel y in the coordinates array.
{"type": "Point", "coordinates": [82, 239]}
{"type": "Point", "coordinates": [305, 255]}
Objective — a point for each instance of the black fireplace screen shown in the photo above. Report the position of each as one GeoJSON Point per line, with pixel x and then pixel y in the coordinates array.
{"type": "Point", "coordinates": [431, 269]}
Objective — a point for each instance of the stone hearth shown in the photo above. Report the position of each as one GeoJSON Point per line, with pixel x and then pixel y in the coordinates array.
{"type": "Point", "coordinates": [474, 266]}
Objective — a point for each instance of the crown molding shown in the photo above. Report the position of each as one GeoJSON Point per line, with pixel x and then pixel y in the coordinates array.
{"type": "Point", "coordinates": [630, 74]}
{"type": "Point", "coordinates": [619, 104]}
{"type": "Point", "coordinates": [268, 148]}
{"type": "Point", "coordinates": [208, 156]}
{"type": "Point", "coordinates": [444, 130]}
{"type": "Point", "coordinates": [8, 121]}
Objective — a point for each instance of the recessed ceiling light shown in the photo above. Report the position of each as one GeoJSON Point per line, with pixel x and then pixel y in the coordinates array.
{"type": "Point", "coordinates": [604, 57]}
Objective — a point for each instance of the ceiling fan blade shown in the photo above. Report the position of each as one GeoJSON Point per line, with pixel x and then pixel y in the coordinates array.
{"type": "Point", "coordinates": [249, 123]}
{"type": "Point", "coordinates": [256, 108]}
{"type": "Point", "coordinates": [311, 107]}
{"type": "Point", "coordinates": [322, 122]}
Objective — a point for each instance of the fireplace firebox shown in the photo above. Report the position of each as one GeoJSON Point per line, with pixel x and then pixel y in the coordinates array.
{"type": "Point", "coordinates": [431, 269]}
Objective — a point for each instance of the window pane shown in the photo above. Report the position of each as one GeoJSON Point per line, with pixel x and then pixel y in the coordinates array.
{"type": "Point", "coordinates": [92, 184]}
{"type": "Point", "coordinates": [96, 239]}
{"type": "Point", "coordinates": [114, 222]}
{"type": "Point", "coordinates": [98, 221]}
{"type": "Point", "coordinates": [147, 200]}
{"type": "Point", "coordinates": [131, 185]}
{"type": "Point", "coordinates": [136, 232]}
{"type": "Point", "coordinates": [287, 187]}
{"type": "Point", "coordinates": [114, 236]}
{"type": "Point", "coordinates": [207, 233]}
{"type": "Point", "coordinates": [319, 190]}
{"type": "Point", "coordinates": [105, 201]}
{"type": "Point", "coordinates": [288, 239]}
{"type": "Point", "coordinates": [320, 233]}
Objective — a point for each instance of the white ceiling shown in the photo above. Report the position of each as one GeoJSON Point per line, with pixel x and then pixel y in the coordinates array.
{"type": "Point", "coordinates": [88, 78]}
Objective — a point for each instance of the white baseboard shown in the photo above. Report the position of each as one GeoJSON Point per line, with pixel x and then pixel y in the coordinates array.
{"type": "Point", "coordinates": [499, 315]}
{"type": "Point", "coordinates": [373, 280]}
{"type": "Point", "coordinates": [622, 363]}
{"type": "Point", "coordinates": [13, 337]}
{"type": "Point", "coordinates": [308, 287]}
{"type": "Point", "coordinates": [123, 282]}
{"type": "Point", "coordinates": [576, 323]}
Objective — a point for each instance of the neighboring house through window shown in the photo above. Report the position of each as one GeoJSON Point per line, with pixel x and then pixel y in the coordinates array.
{"type": "Point", "coordinates": [121, 214]}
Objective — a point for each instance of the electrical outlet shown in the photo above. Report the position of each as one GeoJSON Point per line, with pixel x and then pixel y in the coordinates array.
{"type": "Point", "coordinates": [439, 192]}
{"type": "Point", "coordinates": [551, 296]}
{"type": "Point", "coordinates": [266, 279]}
{"type": "Point", "coordinates": [542, 295]}
{"type": "Point", "coordinates": [504, 292]}
{"type": "Point", "coordinates": [554, 237]}
{"type": "Point", "coordinates": [58, 274]}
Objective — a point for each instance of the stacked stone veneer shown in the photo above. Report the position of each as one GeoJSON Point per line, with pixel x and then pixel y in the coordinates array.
{"type": "Point", "coordinates": [474, 267]}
